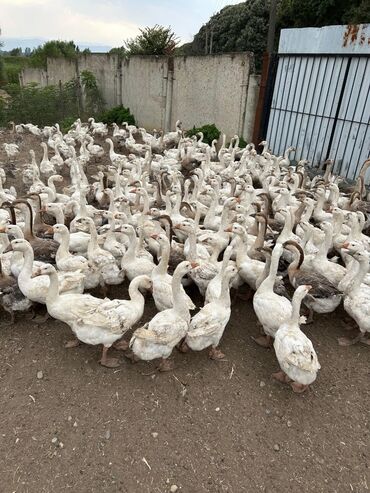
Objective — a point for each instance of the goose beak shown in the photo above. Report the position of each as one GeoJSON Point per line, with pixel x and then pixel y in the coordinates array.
{"type": "Point", "coordinates": [345, 245]}
{"type": "Point", "coordinates": [154, 236]}
{"type": "Point", "coordinates": [228, 230]}
{"type": "Point", "coordinates": [2, 230]}
{"type": "Point", "coordinates": [194, 265]}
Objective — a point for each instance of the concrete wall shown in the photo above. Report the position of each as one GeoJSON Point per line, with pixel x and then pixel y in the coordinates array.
{"type": "Point", "coordinates": [211, 89]}
{"type": "Point", "coordinates": [106, 69]}
{"type": "Point", "coordinates": [32, 76]}
{"type": "Point", "coordinates": [217, 89]}
{"type": "Point", "coordinates": [144, 86]}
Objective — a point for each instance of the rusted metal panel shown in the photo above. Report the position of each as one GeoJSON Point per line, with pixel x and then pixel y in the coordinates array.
{"type": "Point", "coordinates": [352, 38]}
{"type": "Point", "coordinates": [321, 102]}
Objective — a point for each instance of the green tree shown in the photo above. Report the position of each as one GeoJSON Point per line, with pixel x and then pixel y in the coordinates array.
{"type": "Point", "coordinates": [15, 52]}
{"type": "Point", "coordinates": [240, 27]}
{"type": "Point", "coordinates": [53, 49]}
{"type": "Point", "coordinates": [317, 13]}
{"type": "Point", "coordinates": [243, 27]}
{"type": "Point", "coordinates": [120, 51]}
{"type": "Point", "coordinates": [157, 40]}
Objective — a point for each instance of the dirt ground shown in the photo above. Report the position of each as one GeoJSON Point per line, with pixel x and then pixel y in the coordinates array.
{"type": "Point", "coordinates": [206, 426]}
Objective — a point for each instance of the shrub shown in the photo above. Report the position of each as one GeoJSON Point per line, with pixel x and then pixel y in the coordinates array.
{"type": "Point", "coordinates": [242, 143]}
{"type": "Point", "coordinates": [210, 132]}
{"type": "Point", "coordinates": [118, 114]}
{"type": "Point", "coordinates": [66, 123]}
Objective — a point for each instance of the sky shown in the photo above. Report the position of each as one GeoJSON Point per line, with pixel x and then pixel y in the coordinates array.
{"type": "Point", "coordinates": [104, 23]}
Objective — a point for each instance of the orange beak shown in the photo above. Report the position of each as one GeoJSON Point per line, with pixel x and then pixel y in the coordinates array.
{"type": "Point", "coordinates": [194, 265]}
{"type": "Point", "coordinates": [345, 245]}
{"type": "Point", "coordinates": [154, 236]}
{"type": "Point", "coordinates": [228, 230]}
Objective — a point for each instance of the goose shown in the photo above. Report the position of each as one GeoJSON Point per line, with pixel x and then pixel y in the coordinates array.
{"type": "Point", "coordinates": [271, 308]}
{"type": "Point", "coordinates": [11, 151]}
{"type": "Point", "coordinates": [44, 249]}
{"type": "Point", "coordinates": [357, 297]}
{"type": "Point", "coordinates": [93, 320]}
{"type": "Point", "coordinates": [324, 297]}
{"type": "Point", "coordinates": [132, 264]}
{"type": "Point", "coordinates": [294, 350]}
{"type": "Point", "coordinates": [46, 167]}
{"type": "Point", "coordinates": [11, 297]}
{"type": "Point", "coordinates": [101, 260]}
{"type": "Point", "coordinates": [167, 328]}
{"type": "Point", "coordinates": [207, 326]}
{"type": "Point", "coordinates": [162, 281]}
{"type": "Point", "coordinates": [36, 289]}
{"type": "Point", "coordinates": [249, 269]}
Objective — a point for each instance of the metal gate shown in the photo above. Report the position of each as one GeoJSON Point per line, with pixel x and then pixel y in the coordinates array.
{"type": "Point", "coordinates": [320, 104]}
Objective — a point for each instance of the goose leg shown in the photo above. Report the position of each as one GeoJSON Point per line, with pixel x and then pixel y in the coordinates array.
{"type": "Point", "coordinates": [12, 317]}
{"type": "Point", "coordinates": [121, 345]}
{"type": "Point", "coordinates": [365, 340]}
{"type": "Point", "coordinates": [165, 365]}
{"type": "Point", "coordinates": [280, 376]}
{"type": "Point", "coordinates": [346, 341]}
{"type": "Point", "coordinates": [183, 347]}
{"type": "Point", "coordinates": [298, 388]}
{"type": "Point", "coordinates": [40, 319]}
{"type": "Point", "coordinates": [108, 362]}
{"type": "Point", "coordinates": [216, 354]}
{"type": "Point", "coordinates": [263, 341]}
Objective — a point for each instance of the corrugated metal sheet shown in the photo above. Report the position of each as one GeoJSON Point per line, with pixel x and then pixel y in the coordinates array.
{"type": "Point", "coordinates": [321, 103]}
{"type": "Point", "coordinates": [353, 38]}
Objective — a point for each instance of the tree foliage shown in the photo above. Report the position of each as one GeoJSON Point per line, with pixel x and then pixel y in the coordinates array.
{"type": "Point", "coordinates": [157, 40]}
{"type": "Point", "coordinates": [244, 26]}
{"type": "Point", "coordinates": [118, 114]}
{"type": "Point", "coordinates": [54, 49]}
{"type": "Point", "coordinates": [51, 104]}
{"type": "Point", "coordinates": [210, 132]}
{"type": "Point", "coordinates": [120, 51]}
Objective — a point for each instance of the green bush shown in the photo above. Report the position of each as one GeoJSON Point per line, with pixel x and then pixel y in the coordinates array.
{"type": "Point", "coordinates": [210, 132]}
{"type": "Point", "coordinates": [13, 66]}
{"type": "Point", "coordinates": [66, 123]}
{"type": "Point", "coordinates": [242, 143]}
{"type": "Point", "coordinates": [118, 114]}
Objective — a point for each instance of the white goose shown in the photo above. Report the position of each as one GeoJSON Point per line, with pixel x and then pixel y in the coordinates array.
{"type": "Point", "coordinates": [167, 328]}
{"type": "Point", "coordinates": [294, 351]}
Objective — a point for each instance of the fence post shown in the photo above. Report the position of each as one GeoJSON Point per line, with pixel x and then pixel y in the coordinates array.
{"type": "Point", "coordinates": [169, 94]}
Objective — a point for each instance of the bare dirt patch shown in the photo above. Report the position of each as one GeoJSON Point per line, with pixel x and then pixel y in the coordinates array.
{"type": "Point", "coordinates": [205, 427]}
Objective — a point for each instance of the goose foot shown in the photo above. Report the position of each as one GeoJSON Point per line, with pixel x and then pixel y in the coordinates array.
{"type": "Point", "coordinates": [121, 345]}
{"type": "Point", "coordinates": [216, 354]}
{"type": "Point", "coordinates": [280, 376]}
{"type": "Point", "coordinates": [263, 341]}
{"type": "Point", "coordinates": [165, 365]}
{"type": "Point", "coordinates": [40, 319]}
{"type": "Point", "coordinates": [298, 388]}
{"type": "Point", "coordinates": [365, 340]}
{"type": "Point", "coordinates": [108, 362]}
{"type": "Point", "coordinates": [310, 317]}
{"type": "Point", "coordinates": [12, 319]}
{"type": "Point", "coordinates": [182, 347]}
{"type": "Point", "coordinates": [346, 341]}
{"type": "Point", "coordinates": [131, 356]}
{"type": "Point", "coordinates": [72, 343]}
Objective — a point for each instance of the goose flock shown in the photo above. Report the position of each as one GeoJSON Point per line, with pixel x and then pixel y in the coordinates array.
{"type": "Point", "coordinates": [171, 212]}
